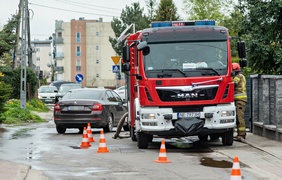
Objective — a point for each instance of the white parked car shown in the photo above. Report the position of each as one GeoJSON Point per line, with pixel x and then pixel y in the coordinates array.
{"type": "Point", "coordinates": [47, 93]}
{"type": "Point", "coordinates": [121, 91]}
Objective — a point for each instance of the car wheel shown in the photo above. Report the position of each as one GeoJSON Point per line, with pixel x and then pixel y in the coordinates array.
{"type": "Point", "coordinates": [109, 126]}
{"type": "Point", "coordinates": [80, 130]}
{"type": "Point", "coordinates": [61, 129]}
{"type": "Point", "coordinates": [126, 127]}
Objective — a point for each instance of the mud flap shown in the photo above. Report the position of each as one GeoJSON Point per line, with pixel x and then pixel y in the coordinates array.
{"type": "Point", "coordinates": [189, 126]}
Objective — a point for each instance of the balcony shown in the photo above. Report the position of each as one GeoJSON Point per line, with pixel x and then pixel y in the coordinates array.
{"type": "Point", "coordinates": [59, 69]}
{"type": "Point", "coordinates": [59, 40]}
{"type": "Point", "coordinates": [59, 55]}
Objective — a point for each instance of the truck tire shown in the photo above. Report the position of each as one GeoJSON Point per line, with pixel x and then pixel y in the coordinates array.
{"type": "Point", "coordinates": [142, 140]}
{"type": "Point", "coordinates": [132, 134]}
{"type": "Point", "coordinates": [61, 129]}
{"type": "Point", "coordinates": [227, 138]}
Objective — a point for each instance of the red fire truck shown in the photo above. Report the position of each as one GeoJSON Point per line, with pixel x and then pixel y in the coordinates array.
{"type": "Point", "coordinates": [180, 81]}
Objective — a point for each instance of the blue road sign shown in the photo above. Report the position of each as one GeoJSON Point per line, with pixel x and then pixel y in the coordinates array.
{"type": "Point", "coordinates": [116, 69]}
{"type": "Point", "coordinates": [79, 77]}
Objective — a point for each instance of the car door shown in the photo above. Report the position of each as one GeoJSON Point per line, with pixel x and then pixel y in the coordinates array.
{"type": "Point", "coordinates": [119, 109]}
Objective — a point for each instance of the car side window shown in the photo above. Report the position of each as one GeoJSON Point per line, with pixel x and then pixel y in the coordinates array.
{"type": "Point", "coordinates": [117, 96]}
{"type": "Point", "coordinates": [110, 97]}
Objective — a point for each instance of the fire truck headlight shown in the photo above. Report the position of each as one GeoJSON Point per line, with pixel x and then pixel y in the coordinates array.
{"type": "Point", "coordinates": [148, 116]}
{"type": "Point", "coordinates": [227, 113]}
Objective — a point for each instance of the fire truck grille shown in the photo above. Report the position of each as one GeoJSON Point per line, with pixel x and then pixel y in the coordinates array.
{"type": "Point", "coordinates": [196, 95]}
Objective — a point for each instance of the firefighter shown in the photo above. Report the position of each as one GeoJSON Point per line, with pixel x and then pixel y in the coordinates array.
{"type": "Point", "coordinates": [240, 97]}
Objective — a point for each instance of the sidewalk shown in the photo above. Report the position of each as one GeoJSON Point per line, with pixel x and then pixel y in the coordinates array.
{"type": "Point", "coordinates": [16, 171]}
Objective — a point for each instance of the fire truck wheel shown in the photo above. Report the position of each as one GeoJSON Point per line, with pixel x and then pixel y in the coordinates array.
{"type": "Point", "coordinates": [109, 126]}
{"type": "Point", "coordinates": [132, 134]}
{"type": "Point", "coordinates": [142, 140]}
{"type": "Point", "coordinates": [227, 138]}
{"type": "Point", "coordinates": [203, 137]}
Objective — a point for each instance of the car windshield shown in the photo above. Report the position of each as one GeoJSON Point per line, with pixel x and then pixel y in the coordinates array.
{"type": "Point", "coordinates": [83, 94]}
{"type": "Point", "coordinates": [187, 58]}
{"type": "Point", "coordinates": [64, 89]}
{"type": "Point", "coordinates": [47, 89]}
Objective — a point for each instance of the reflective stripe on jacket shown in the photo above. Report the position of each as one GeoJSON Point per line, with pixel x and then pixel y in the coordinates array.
{"type": "Point", "coordinates": [240, 92]}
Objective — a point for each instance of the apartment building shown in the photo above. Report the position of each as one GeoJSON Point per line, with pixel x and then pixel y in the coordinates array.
{"type": "Point", "coordinates": [82, 47]}
{"type": "Point", "coordinates": [42, 57]}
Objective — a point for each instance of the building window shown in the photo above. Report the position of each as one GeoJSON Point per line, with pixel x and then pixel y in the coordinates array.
{"type": "Point", "coordinates": [78, 65]}
{"type": "Point", "coordinates": [37, 49]}
{"type": "Point", "coordinates": [60, 34]}
{"type": "Point", "coordinates": [97, 47]}
{"type": "Point", "coordinates": [97, 61]}
{"type": "Point", "coordinates": [38, 59]}
{"type": "Point", "coordinates": [97, 33]}
{"type": "Point", "coordinates": [78, 53]}
{"type": "Point", "coordinates": [78, 37]}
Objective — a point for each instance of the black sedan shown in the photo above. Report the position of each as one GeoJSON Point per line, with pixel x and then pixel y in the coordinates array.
{"type": "Point", "coordinates": [102, 108]}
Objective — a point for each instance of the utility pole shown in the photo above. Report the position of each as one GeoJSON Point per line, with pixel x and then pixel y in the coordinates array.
{"type": "Point", "coordinates": [24, 53]}
{"type": "Point", "coordinates": [30, 63]}
{"type": "Point", "coordinates": [16, 51]}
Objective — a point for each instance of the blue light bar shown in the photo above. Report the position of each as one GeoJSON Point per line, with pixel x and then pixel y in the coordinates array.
{"type": "Point", "coordinates": [161, 24]}
{"type": "Point", "coordinates": [205, 23]}
{"type": "Point", "coordinates": [183, 23]}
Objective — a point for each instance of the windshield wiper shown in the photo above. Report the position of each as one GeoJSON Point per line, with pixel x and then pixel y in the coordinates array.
{"type": "Point", "coordinates": [178, 70]}
{"type": "Point", "coordinates": [209, 69]}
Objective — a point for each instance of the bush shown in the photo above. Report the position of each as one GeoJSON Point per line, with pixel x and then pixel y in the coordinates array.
{"type": "Point", "coordinates": [15, 115]}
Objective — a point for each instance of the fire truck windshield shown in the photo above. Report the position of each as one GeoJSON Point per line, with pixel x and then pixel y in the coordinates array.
{"type": "Point", "coordinates": [188, 57]}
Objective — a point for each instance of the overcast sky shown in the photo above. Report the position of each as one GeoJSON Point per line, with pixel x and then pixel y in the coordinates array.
{"type": "Point", "coordinates": [45, 12]}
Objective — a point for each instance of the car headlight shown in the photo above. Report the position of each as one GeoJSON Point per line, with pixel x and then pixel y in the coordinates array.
{"type": "Point", "coordinates": [227, 113]}
{"type": "Point", "coordinates": [148, 116]}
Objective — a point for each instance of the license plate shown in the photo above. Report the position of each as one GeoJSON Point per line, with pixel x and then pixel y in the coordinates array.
{"type": "Point", "coordinates": [188, 114]}
{"type": "Point", "coordinates": [49, 100]}
{"type": "Point", "coordinates": [75, 108]}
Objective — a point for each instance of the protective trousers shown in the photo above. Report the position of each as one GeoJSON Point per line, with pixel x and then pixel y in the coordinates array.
{"type": "Point", "coordinates": [240, 120]}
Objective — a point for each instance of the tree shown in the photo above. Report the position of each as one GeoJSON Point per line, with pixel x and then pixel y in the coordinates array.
{"type": "Point", "coordinates": [151, 10]}
{"type": "Point", "coordinates": [129, 15]}
{"type": "Point", "coordinates": [166, 11]}
{"type": "Point", "coordinates": [8, 35]}
{"type": "Point", "coordinates": [262, 31]}
{"type": "Point", "coordinates": [217, 10]}
{"type": "Point", "coordinates": [13, 78]}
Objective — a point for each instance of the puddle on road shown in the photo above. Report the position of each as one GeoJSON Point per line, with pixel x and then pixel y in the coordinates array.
{"type": "Point", "coordinates": [206, 161]}
{"type": "Point", "coordinates": [22, 133]}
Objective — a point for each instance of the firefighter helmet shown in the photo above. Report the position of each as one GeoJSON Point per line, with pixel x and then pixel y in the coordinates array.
{"type": "Point", "coordinates": [236, 67]}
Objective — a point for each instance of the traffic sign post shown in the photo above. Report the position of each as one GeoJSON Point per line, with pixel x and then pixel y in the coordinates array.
{"type": "Point", "coordinates": [116, 68]}
{"type": "Point", "coordinates": [115, 59]}
{"type": "Point", "coordinates": [79, 78]}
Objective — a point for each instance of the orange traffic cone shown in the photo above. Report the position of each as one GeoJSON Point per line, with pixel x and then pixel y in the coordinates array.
{"type": "Point", "coordinates": [102, 144]}
{"type": "Point", "coordinates": [162, 155]}
{"type": "Point", "coordinates": [85, 143]}
{"type": "Point", "coordinates": [236, 172]}
{"type": "Point", "coordinates": [89, 133]}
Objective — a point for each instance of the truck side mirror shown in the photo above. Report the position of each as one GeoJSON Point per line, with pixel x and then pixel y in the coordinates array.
{"type": "Point", "coordinates": [125, 54]}
{"type": "Point", "coordinates": [241, 49]}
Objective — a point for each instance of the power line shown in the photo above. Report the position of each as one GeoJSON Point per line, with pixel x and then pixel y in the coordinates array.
{"type": "Point", "coordinates": [70, 10]}
{"type": "Point", "coordinates": [87, 5]}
